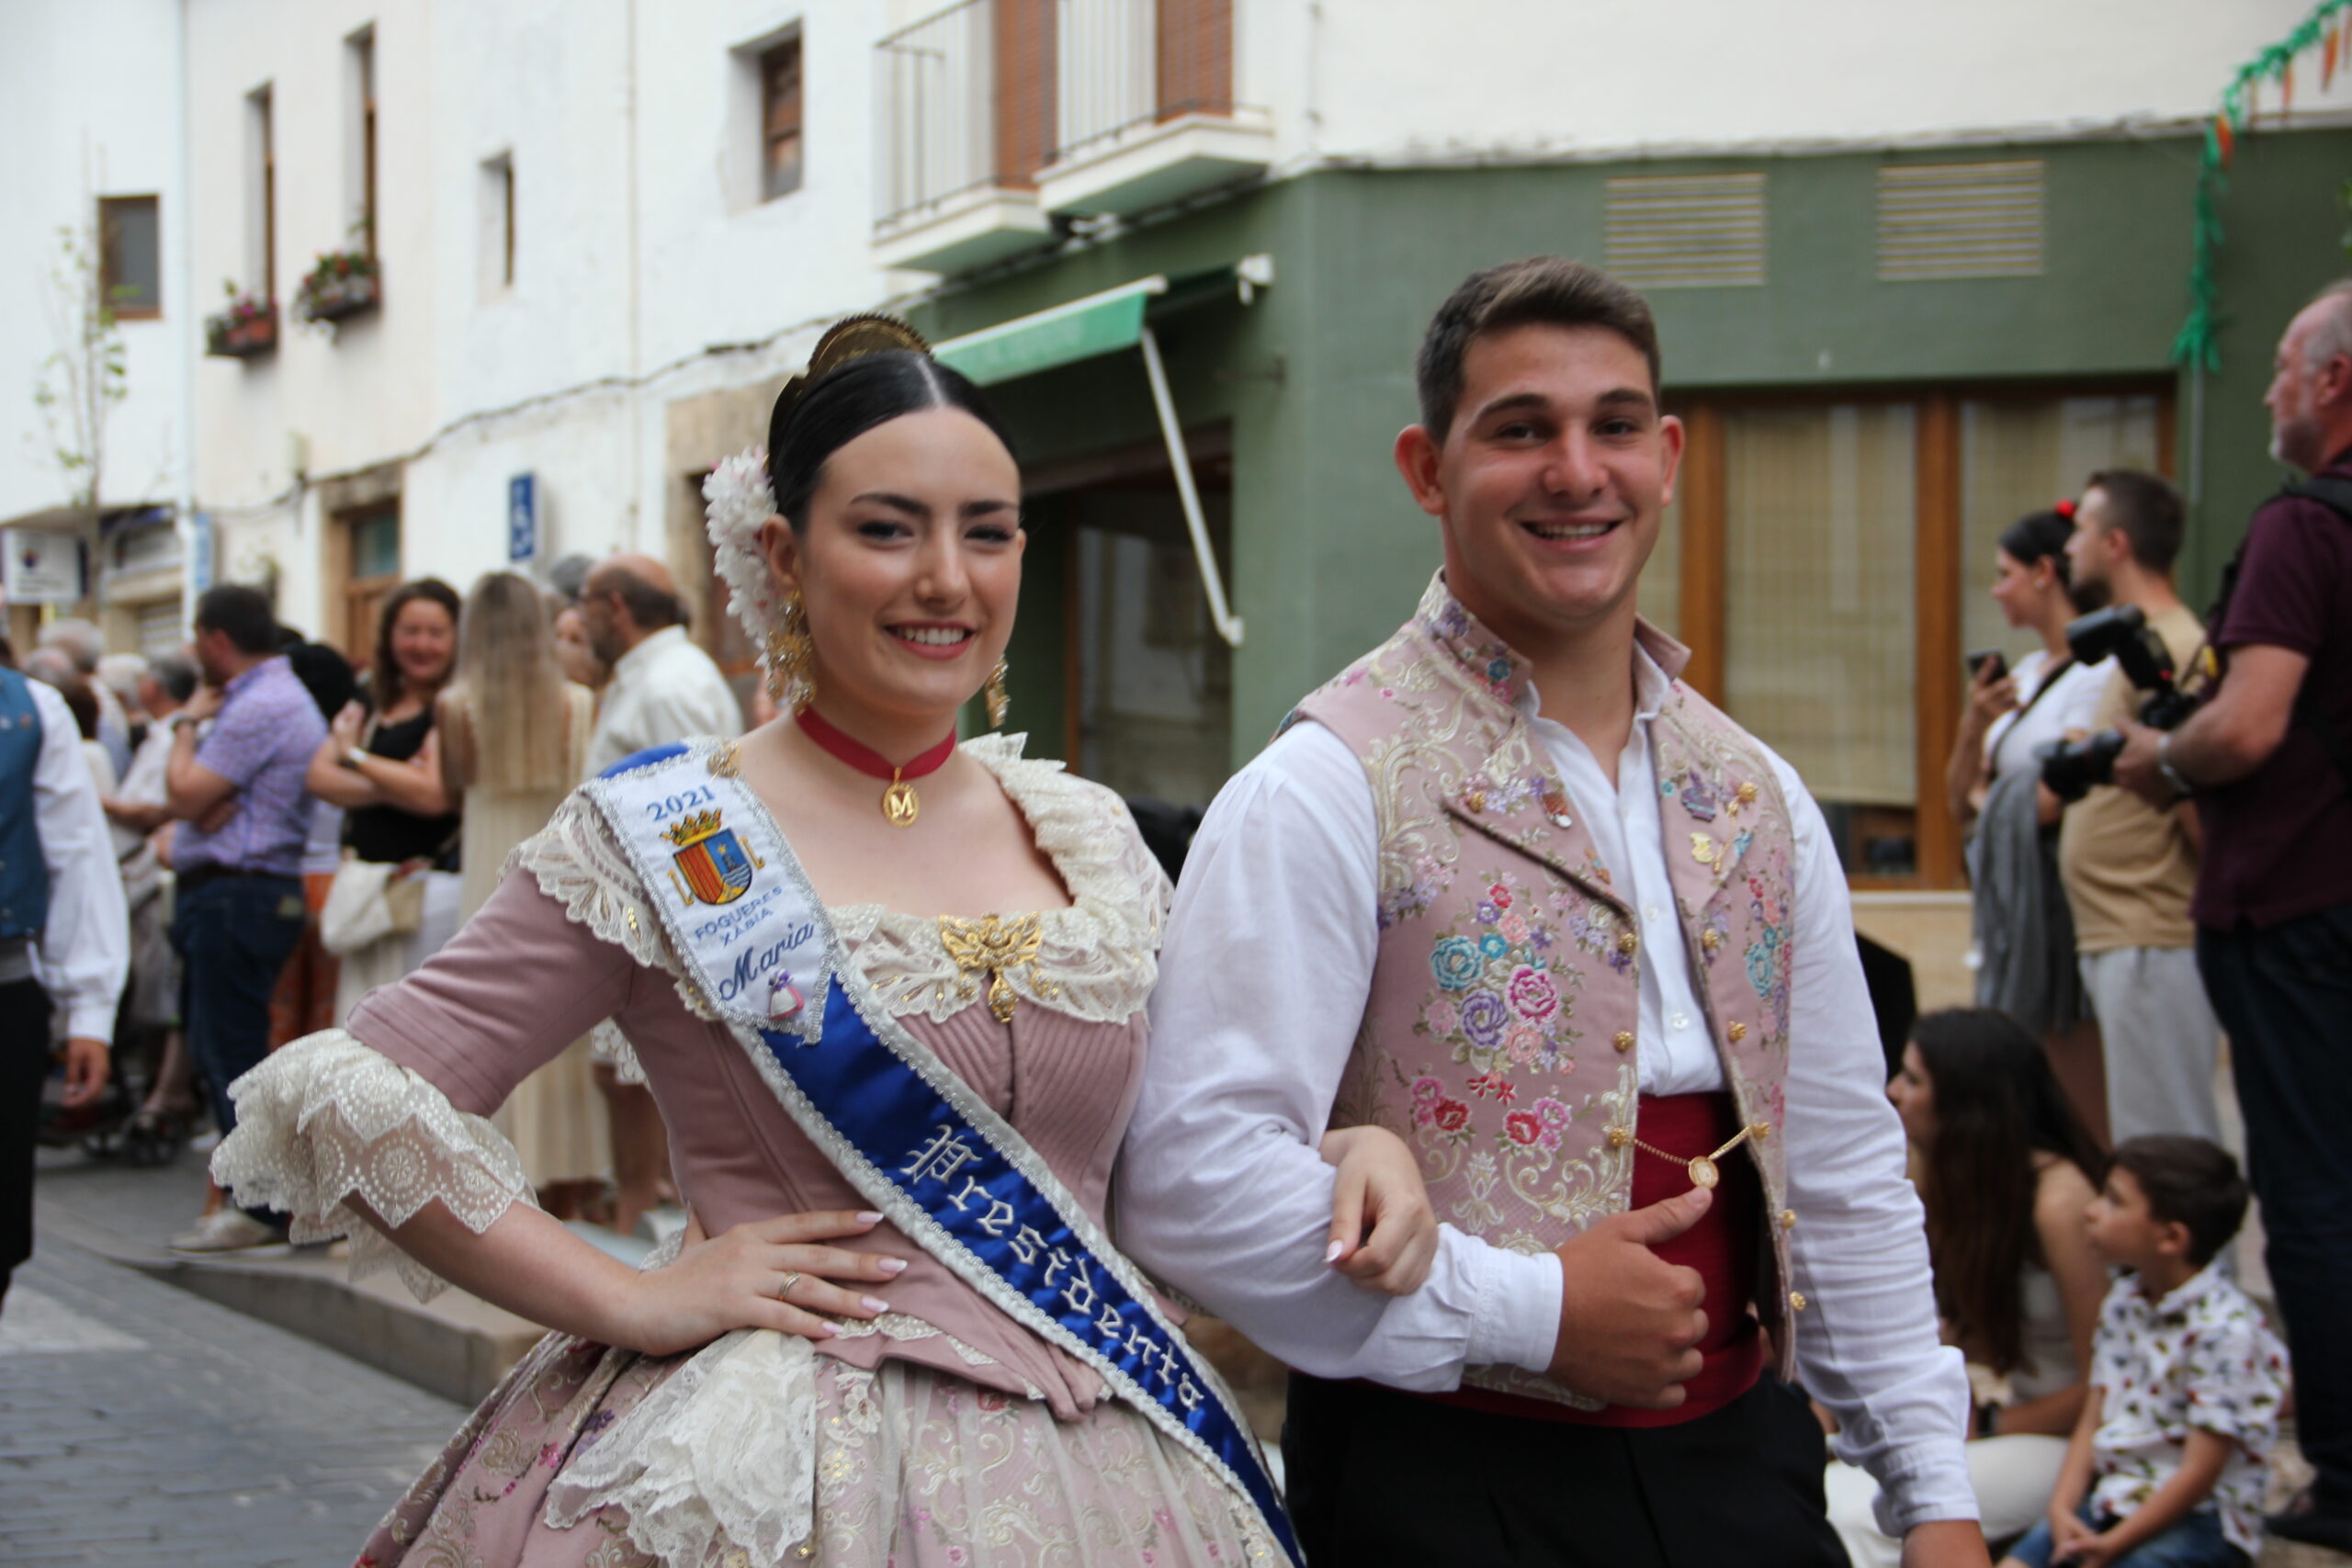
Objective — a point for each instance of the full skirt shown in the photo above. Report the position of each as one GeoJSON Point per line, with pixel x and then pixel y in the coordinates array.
{"type": "Point", "coordinates": [916, 1467]}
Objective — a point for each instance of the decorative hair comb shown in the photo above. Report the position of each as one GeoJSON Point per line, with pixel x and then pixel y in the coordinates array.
{"type": "Point", "coordinates": [852, 338]}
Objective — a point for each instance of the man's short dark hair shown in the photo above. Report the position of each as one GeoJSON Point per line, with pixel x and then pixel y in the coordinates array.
{"type": "Point", "coordinates": [241, 614]}
{"type": "Point", "coordinates": [2147, 509]}
{"type": "Point", "coordinates": [651, 608]}
{"type": "Point", "coordinates": [1537, 290]}
{"type": "Point", "coordinates": [2187, 1182]}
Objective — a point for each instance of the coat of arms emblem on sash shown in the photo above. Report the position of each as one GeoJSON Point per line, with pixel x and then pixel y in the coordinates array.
{"type": "Point", "coordinates": [710, 866]}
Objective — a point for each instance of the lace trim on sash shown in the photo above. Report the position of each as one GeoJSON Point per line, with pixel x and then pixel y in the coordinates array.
{"type": "Point", "coordinates": [328, 1119]}
{"type": "Point", "coordinates": [1097, 960]}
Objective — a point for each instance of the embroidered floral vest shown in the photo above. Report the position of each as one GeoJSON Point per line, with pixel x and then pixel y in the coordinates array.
{"type": "Point", "coordinates": [1498, 1038]}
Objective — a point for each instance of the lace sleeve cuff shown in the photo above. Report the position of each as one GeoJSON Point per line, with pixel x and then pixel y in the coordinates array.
{"type": "Point", "coordinates": [327, 1119]}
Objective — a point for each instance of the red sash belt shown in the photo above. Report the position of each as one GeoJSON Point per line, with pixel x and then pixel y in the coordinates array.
{"type": "Point", "coordinates": [1723, 1248]}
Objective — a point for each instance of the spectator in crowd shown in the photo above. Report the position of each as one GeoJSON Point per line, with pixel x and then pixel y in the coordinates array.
{"type": "Point", "coordinates": [304, 1000]}
{"type": "Point", "coordinates": [663, 689]}
{"type": "Point", "coordinates": [513, 742]}
{"type": "Point", "coordinates": [2269, 759]}
{"type": "Point", "coordinates": [384, 768]}
{"type": "Point", "coordinates": [2129, 868]}
{"type": "Point", "coordinates": [123, 674]}
{"type": "Point", "coordinates": [574, 654]}
{"type": "Point", "coordinates": [2024, 930]}
{"type": "Point", "coordinates": [152, 999]}
{"type": "Point", "coordinates": [60, 908]}
{"type": "Point", "coordinates": [86, 644]}
{"type": "Point", "coordinates": [2005, 1174]}
{"type": "Point", "coordinates": [54, 669]}
{"type": "Point", "coordinates": [2165, 1468]}
{"type": "Point", "coordinates": [234, 786]}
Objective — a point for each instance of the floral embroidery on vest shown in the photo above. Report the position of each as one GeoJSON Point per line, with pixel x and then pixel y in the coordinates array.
{"type": "Point", "coordinates": [1499, 1037]}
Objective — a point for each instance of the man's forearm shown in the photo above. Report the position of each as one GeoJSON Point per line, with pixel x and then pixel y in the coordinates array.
{"type": "Point", "coordinates": [2207, 750]}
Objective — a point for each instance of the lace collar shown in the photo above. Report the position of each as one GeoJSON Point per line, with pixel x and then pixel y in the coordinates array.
{"type": "Point", "coordinates": [1094, 961]}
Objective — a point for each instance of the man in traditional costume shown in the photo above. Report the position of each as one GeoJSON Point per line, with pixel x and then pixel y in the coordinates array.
{"type": "Point", "coordinates": [1509, 888]}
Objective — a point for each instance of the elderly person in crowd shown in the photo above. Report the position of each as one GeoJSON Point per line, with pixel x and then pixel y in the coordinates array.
{"type": "Point", "coordinates": [86, 644]}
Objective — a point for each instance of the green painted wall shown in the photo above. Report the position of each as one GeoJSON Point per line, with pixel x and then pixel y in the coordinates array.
{"type": "Point", "coordinates": [1329, 551]}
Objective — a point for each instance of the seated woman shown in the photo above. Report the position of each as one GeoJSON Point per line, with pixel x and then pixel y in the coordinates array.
{"type": "Point", "coordinates": [2006, 1176]}
{"type": "Point", "coordinates": [889, 990]}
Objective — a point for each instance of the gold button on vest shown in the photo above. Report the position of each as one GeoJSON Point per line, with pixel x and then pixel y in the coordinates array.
{"type": "Point", "coordinates": [1796, 1301]}
{"type": "Point", "coordinates": [1624, 1041]}
{"type": "Point", "coordinates": [1737, 1032]}
{"type": "Point", "coordinates": [1629, 944]}
{"type": "Point", "coordinates": [1788, 1219]}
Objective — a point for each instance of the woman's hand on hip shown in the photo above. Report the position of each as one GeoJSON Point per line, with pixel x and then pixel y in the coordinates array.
{"type": "Point", "coordinates": [1384, 1234]}
{"type": "Point", "coordinates": [763, 1274]}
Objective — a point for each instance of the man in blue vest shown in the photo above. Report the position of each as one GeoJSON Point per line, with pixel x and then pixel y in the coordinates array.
{"type": "Point", "coordinates": [65, 934]}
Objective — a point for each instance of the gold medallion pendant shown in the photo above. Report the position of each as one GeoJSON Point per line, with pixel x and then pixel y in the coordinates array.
{"type": "Point", "coordinates": [1704, 1172]}
{"type": "Point", "coordinates": [901, 805]}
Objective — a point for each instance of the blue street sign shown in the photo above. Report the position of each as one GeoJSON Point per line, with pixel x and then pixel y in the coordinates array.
{"type": "Point", "coordinates": [199, 549]}
{"type": "Point", "coordinates": [522, 517]}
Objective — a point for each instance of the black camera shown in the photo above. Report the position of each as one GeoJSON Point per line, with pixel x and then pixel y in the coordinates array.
{"type": "Point", "coordinates": [2070, 768]}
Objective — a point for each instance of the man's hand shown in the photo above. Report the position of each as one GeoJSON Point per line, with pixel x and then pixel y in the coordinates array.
{"type": "Point", "coordinates": [86, 1070]}
{"type": "Point", "coordinates": [204, 704]}
{"type": "Point", "coordinates": [1630, 1321]}
{"type": "Point", "coordinates": [2135, 766]}
{"type": "Point", "coordinates": [1945, 1543]}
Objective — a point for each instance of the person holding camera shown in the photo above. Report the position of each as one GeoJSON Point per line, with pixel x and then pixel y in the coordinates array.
{"type": "Point", "coordinates": [2130, 867]}
{"type": "Point", "coordinates": [2268, 757]}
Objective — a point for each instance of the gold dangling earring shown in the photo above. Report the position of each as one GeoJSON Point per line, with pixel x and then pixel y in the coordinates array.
{"type": "Point", "coordinates": [789, 652]}
{"type": "Point", "coordinates": [1000, 700]}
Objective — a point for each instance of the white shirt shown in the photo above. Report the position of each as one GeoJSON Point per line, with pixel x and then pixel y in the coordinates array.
{"type": "Point", "coordinates": [1268, 960]}
{"type": "Point", "coordinates": [85, 948]}
{"type": "Point", "coordinates": [662, 689]}
{"type": "Point", "coordinates": [2041, 718]}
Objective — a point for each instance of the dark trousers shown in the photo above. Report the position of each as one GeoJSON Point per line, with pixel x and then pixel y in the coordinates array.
{"type": "Point", "coordinates": [24, 1067]}
{"type": "Point", "coordinates": [1378, 1477]}
{"type": "Point", "coordinates": [234, 934]}
{"type": "Point", "coordinates": [2285, 995]}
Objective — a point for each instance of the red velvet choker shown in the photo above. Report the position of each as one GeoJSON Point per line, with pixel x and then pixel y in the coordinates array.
{"type": "Point", "coordinates": [899, 805]}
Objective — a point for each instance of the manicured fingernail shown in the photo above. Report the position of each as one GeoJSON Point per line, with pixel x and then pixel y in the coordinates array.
{"type": "Point", "coordinates": [874, 1303]}
{"type": "Point", "coordinates": [825, 1330]}
{"type": "Point", "coordinates": [868, 1217]}
{"type": "Point", "coordinates": [1331, 1253]}
{"type": "Point", "coordinates": [892, 1265]}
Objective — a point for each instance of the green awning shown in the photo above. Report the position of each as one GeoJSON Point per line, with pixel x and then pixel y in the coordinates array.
{"type": "Point", "coordinates": [1099, 323]}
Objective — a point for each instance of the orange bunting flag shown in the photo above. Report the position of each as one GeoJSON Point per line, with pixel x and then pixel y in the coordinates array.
{"type": "Point", "coordinates": [2328, 57]}
{"type": "Point", "coordinates": [2224, 137]}
{"type": "Point", "coordinates": [2286, 88]}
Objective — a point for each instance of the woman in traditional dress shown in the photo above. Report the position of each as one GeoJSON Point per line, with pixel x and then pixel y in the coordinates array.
{"type": "Point", "coordinates": [513, 740]}
{"type": "Point", "coordinates": [890, 993]}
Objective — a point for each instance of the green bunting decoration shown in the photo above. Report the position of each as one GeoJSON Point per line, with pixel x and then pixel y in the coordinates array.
{"type": "Point", "coordinates": [2196, 346]}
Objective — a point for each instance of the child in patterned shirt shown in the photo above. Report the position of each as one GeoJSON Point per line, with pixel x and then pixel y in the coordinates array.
{"type": "Point", "coordinates": [2165, 1468]}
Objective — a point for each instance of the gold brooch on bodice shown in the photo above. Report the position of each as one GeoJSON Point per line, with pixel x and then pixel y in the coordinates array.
{"type": "Point", "coordinates": [996, 944]}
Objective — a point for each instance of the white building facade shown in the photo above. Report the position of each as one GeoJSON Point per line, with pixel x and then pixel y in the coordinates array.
{"type": "Point", "coordinates": [91, 106]}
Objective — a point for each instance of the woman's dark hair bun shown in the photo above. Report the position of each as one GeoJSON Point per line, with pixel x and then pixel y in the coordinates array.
{"type": "Point", "coordinates": [2041, 535]}
{"type": "Point", "coordinates": [812, 421]}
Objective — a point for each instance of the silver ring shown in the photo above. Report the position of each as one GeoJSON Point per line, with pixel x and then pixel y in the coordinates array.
{"type": "Point", "coordinates": [791, 1278]}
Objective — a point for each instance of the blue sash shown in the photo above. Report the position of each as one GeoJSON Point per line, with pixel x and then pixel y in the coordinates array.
{"type": "Point", "coordinates": [906, 1131]}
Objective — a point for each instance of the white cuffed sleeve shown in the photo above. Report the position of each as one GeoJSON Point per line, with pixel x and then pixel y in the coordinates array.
{"type": "Point", "coordinates": [327, 1120]}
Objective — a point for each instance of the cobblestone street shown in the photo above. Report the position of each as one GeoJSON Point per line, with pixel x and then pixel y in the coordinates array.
{"type": "Point", "coordinates": [141, 1425]}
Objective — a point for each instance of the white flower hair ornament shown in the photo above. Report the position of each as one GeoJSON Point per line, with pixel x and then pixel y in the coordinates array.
{"type": "Point", "coordinates": [739, 500]}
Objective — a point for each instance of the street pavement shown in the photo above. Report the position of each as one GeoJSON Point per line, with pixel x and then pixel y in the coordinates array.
{"type": "Point", "coordinates": [141, 1425]}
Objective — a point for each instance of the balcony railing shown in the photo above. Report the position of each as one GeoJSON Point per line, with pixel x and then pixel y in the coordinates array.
{"type": "Point", "coordinates": [933, 84]}
{"type": "Point", "coordinates": [1130, 63]}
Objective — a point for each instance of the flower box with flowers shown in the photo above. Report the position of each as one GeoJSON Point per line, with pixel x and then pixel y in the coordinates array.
{"type": "Point", "coordinates": [246, 329]}
{"type": "Point", "coordinates": [342, 283]}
